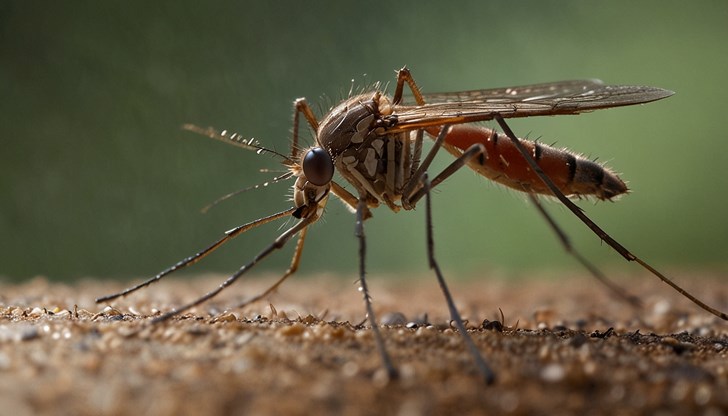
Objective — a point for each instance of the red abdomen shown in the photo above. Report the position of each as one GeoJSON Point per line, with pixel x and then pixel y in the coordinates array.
{"type": "Point", "coordinates": [573, 174]}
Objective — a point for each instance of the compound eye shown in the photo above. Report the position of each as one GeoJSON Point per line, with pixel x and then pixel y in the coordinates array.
{"type": "Point", "coordinates": [318, 166]}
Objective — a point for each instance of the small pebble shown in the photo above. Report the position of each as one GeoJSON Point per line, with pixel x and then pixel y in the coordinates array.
{"type": "Point", "coordinates": [294, 329]}
{"type": "Point", "coordinates": [553, 373]}
{"type": "Point", "coordinates": [226, 317]}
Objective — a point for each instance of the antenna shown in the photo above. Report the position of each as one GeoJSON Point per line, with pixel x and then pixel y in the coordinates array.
{"type": "Point", "coordinates": [277, 179]}
{"type": "Point", "coordinates": [236, 140]}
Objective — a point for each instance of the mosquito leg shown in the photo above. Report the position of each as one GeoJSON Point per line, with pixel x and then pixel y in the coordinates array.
{"type": "Point", "coordinates": [417, 152]}
{"type": "Point", "coordinates": [359, 231]}
{"type": "Point", "coordinates": [593, 226]}
{"type": "Point", "coordinates": [566, 243]}
{"type": "Point", "coordinates": [291, 270]}
{"type": "Point", "coordinates": [404, 75]}
{"type": "Point", "coordinates": [349, 200]}
{"type": "Point", "coordinates": [277, 244]}
{"type": "Point", "coordinates": [188, 261]}
{"type": "Point", "coordinates": [301, 106]}
{"type": "Point", "coordinates": [411, 198]}
{"type": "Point", "coordinates": [422, 168]}
{"type": "Point", "coordinates": [483, 367]}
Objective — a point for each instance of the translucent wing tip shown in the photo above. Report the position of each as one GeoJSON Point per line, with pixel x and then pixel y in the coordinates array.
{"type": "Point", "coordinates": [649, 94]}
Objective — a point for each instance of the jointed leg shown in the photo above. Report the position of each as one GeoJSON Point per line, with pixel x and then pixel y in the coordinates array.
{"type": "Point", "coordinates": [485, 370]}
{"type": "Point", "coordinates": [277, 244]}
{"type": "Point", "coordinates": [404, 75]}
{"type": "Point", "coordinates": [301, 106]}
{"type": "Point", "coordinates": [410, 194]}
{"type": "Point", "coordinates": [391, 371]}
{"type": "Point", "coordinates": [229, 235]}
{"type": "Point", "coordinates": [422, 168]}
{"type": "Point", "coordinates": [291, 269]}
{"type": "Point", "coordinates": [348, 199]}
{"type": "Point", "coordinates": [564, 239]}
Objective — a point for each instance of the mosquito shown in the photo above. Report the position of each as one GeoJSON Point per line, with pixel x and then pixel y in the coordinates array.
{"type": "Point", "coordinates": [375, 143]}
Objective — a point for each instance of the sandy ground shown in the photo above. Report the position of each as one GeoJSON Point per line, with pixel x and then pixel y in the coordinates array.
{"type": "Point", "coordinates": [566, 347]}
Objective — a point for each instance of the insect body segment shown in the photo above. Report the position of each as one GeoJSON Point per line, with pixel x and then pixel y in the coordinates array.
{"type": "Point", "coordinates": [571, 173]}
{"type": "Point", "coordinates": [378, 164]}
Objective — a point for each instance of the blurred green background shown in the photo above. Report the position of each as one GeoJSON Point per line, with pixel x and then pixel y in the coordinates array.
{"type": "Point", "coordinates": [97, 179]}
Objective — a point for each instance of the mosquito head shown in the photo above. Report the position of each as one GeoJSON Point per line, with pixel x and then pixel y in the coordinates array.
{"type": "Point", "coordinates": [313, 182]}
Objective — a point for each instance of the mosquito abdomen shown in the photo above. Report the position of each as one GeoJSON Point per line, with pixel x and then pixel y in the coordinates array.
{"type": "Point", "coordinates": [573, 174]}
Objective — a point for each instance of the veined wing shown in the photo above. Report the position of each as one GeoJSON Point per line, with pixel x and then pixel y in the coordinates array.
{"type": "Point", "coordinates": [556, 98]}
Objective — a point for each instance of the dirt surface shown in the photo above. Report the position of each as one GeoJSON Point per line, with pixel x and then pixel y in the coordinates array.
{"type": "Point", "coordinates": [567, 347]}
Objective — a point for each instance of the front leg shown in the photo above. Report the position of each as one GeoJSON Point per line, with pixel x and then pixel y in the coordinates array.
{"type": "Point", "coordinates": [301, 106]}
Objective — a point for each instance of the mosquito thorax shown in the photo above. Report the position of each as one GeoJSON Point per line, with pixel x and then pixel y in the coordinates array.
{"type": "Point", "coordinates": [352, 121]}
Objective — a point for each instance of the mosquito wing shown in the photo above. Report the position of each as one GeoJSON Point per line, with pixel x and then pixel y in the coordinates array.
{"type": "Point", "coordinates": [555, 98]}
